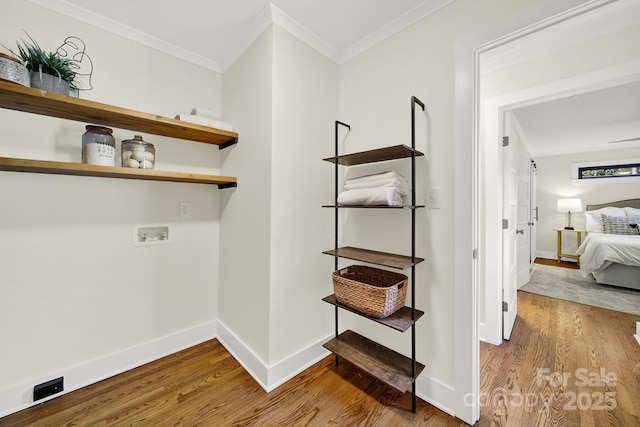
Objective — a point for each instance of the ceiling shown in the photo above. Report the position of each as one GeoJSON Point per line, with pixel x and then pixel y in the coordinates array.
{"type": "Point", "coordinates": [593, 121]}
{"type": "Point", "coordinates": [214, 33]}
{"type": "Point", "coordinates": [585, 113]}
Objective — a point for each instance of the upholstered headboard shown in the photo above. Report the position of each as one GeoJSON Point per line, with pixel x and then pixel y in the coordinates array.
{"type": "Point", "coordinates": [629, 203]}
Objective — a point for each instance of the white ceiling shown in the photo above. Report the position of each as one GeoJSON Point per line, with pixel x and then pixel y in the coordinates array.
{"type": "Point", "coordinates": [214, 33]}
{"type": "Point", "coordinates": [598, 120]}
{"type": "Point", "coordinates": [577, 120]}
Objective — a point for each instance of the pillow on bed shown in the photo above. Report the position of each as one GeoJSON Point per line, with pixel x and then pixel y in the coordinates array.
{"type": "Point", "coordinates": [594, 218]}
{"type": "Point", "coordinates": [620, 225]}
{"type": "Point", "coordinates": [632, 211]}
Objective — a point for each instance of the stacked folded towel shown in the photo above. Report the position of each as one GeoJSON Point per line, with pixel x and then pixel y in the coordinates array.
{"type": "Point", "coordinates": [205, 117]}
{"type": "Point", "coordinates": [382, 189]}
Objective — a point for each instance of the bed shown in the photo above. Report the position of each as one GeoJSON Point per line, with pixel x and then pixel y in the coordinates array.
{"type": "Point", "coordinates": [611, 250]}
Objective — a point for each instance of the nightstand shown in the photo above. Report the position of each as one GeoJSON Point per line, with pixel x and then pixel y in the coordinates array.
{"type": "Point", "coordinates": [579, 242]}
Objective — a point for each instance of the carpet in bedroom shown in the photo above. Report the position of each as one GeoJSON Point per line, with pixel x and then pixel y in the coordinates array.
{"type": "Point", "coordinates": [568, 284]}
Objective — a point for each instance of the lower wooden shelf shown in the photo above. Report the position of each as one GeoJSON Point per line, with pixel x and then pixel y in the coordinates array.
{"type": "Point", "coordinates": [400, 320]}
{"type": "Point", "coordinates": [67, 168]}
{"type": "Point", "coordinates": [381, 362]}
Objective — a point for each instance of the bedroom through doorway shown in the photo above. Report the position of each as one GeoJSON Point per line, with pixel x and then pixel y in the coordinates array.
{"type": "Point", "coordinates": [518, 90]}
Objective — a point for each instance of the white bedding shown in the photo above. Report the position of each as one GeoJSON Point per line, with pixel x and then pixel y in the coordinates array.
{"type": "Point", "coordinates": [598, 251]}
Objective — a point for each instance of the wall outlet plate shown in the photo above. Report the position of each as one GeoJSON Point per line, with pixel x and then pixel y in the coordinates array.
{"type": "Point", "coordinates": [145, 235]}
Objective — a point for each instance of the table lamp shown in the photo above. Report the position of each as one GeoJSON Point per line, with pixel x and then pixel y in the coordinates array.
{"type": "Point", "coordinates": [568, 206]}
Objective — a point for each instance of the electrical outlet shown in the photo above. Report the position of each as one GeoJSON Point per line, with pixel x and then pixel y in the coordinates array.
{"type": "Point", "coordinates": [48, 389]}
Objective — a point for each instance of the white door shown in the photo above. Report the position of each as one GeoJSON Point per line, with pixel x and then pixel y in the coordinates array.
{"type": "Point", "coordinates": [533, 211]}
{"type": "Point", "coordinates": [523, 232]}
{"type": "Point", "coordinates": [510, 227]}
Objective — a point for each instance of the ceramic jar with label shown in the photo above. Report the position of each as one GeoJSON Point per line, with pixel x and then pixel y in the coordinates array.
{"type": "Point", "coordinates": [138, 154]}
{"type": "Point", "coordinates": [98, 146]}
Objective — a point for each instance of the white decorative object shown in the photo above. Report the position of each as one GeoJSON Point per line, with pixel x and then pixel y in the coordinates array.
{"type": "Point", "coordinates": [11, 69]}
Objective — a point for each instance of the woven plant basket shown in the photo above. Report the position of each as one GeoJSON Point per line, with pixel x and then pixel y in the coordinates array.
{"type": "Point", "coordinates": [371, 291]}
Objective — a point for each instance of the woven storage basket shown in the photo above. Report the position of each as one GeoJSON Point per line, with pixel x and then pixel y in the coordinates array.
{"type": "Point", "coordinates": [371, 291]}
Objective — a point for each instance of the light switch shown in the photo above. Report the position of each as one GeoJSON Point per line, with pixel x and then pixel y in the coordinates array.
{"type": "Point", "coordinates": [433, 198]}
{"type": "Point", "coordinates": [185, 210]}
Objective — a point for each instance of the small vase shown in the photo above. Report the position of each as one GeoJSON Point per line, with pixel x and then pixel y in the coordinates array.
{"type": "Point", "coordinates": [49, 83]}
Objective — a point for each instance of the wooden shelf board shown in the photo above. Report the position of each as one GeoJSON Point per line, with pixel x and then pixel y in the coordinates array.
{"type": "Point", "coordinates": [374, 207]}
{"type": "Point", "coordinates": [400, 320]}
{"type": "Point", "coordinates": [372, 156]}
{"type": "Point", "coordinates": [374, 257]}
{"type": "Point", "coordinates": [66, 168]}
{"type": "Point", "coordinates": [381, 362]}
{"type": "Point", "coordinates": [16, 97]}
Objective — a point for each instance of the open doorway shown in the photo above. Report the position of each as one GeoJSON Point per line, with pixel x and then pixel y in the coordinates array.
{"type": "Point", "coordinates": [507, 84]}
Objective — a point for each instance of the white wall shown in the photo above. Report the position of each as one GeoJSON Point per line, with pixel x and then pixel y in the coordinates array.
{"type": "Point", "coordinates": [554, 182]}
{"type": "Point", "coordinates": [283, 96]}
{"type": "Point", "coordinates": [73, 287]}
{"type": "Point", "coordinates": [374, 99]}
{"type": "Point", "coordinates": [305, 94]}
{"type": "Point", "coordinates": [245, 218]}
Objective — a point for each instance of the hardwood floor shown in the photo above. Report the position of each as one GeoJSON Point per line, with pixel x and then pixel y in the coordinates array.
{"type": "Point", "coordinates": [555, 263]}
{"type": "Point", "coordinates": [521, 384]}
{"type": "Point", "coordinates": [566, 364]}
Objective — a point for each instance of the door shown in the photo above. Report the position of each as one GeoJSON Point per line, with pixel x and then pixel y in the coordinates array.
{"type": "Point", "coordinates": [510, 228]}
{"type": "Point", "coordinates": [523, 231]}
{"type": "Point", "coordinates": [533, 211]}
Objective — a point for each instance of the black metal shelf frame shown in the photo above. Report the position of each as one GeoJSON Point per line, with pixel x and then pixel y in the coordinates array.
{"type": "Point", "coordinates": [412, 207]}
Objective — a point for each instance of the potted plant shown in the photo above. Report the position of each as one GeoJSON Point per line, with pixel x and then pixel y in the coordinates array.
{"type": "Point", "coordinates": [48, 70]}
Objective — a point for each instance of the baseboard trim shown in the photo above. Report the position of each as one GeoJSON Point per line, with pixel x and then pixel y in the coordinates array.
{"type": "Point", "coordinates": [251, 362]}
{"type": "Point", "coordinates": [267, 376]}
{"type": "Point", "coordinates": [546, 255]}
{"type": "Point", "coordinates": [436, 393]}
{"type": "Point", "coordinates": [428, 389]}
{"type": "Point", "coordinates": [20, 396]}
{"type": "Point", "coordinates": [281, 372]}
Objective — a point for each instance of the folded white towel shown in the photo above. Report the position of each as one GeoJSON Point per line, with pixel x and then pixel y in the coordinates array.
{"type": "Point", "coordinates": [218, 124]}
{"type": "Point", "coordinates": [385, 179]}
{"type": "Point", "coordinates": [204, 112]}
{"type": "Point", "coordinates": [374, 196]}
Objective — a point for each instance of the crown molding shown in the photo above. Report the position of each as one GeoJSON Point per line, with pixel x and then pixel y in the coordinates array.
{"type": "Point", "coordinates": [125, 31]}
{"type": "Point", "coordinates": [593, 23]}
{"type": "Point", "coordinates": [269, 15]}
{"type": "Point", "coordinates": [261, 23]}
{"type": "Point", "coordinates": [301, 32]}
{"type": "Point", "coordinates": [416, 14]}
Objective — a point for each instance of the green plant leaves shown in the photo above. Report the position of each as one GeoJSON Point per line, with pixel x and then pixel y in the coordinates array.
{"type": "Point", "coordinates": [36, 59]}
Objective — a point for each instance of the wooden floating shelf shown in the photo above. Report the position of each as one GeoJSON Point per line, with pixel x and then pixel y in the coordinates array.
{"type": "Point", "coordinates": [80, 169]}
{"type": "Point", "coordinates": [377, 155]}
{"type": "Point", "coordinates": [374, 207]}
{"type": "Point", "coordinates": [16, 97]}
{"type": "Point", "coordinates": [374, 257]}
{"type": "Point", "coordinates": [400, 320]}
{"type": "Point", "coordinates": [381, 362]}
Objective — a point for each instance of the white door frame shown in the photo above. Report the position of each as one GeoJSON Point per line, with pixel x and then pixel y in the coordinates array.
{"type": "Point", "coordinates": [466, 185]}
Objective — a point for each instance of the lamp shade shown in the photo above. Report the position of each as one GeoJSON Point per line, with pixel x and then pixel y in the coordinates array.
{"type": "Point", "coordinates": [569, 205]}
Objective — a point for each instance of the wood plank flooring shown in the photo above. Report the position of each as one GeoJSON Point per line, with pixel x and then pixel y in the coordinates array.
{"type": "Point", "coordinates": [205, 386]}
{"type": "Point", "coordinates": [566, 364]}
